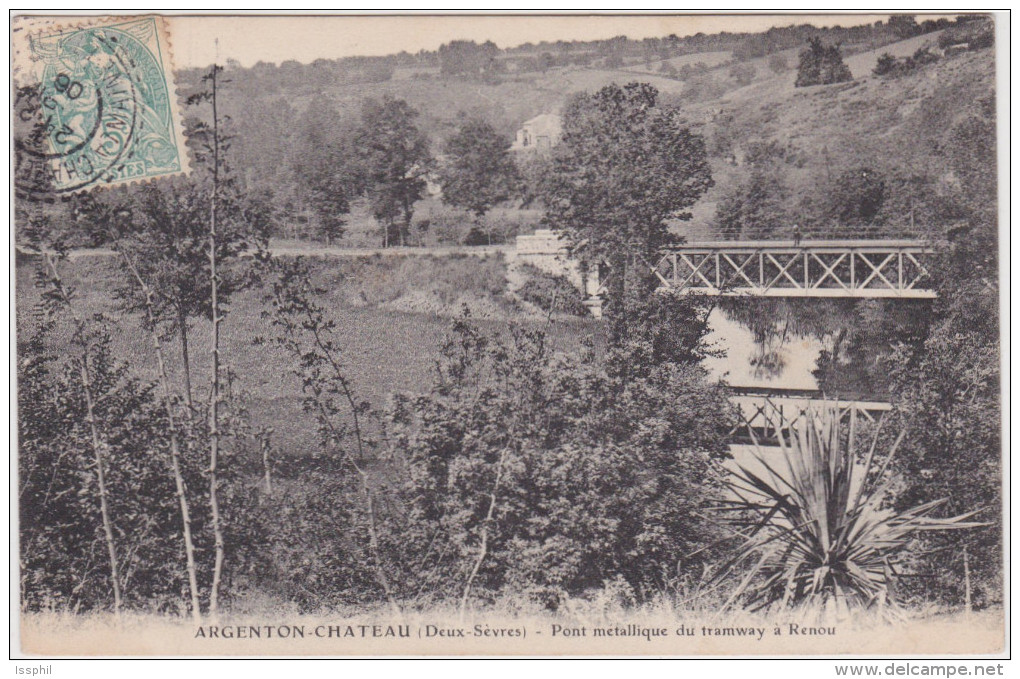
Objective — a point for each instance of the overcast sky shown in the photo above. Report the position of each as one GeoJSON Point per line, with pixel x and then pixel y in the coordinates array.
{"type": "Point", "coordinates": [249, 39]}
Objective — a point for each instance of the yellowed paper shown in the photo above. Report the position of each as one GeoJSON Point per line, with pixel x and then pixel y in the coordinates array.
{"type": "Point", "coordinates": [328, 507]}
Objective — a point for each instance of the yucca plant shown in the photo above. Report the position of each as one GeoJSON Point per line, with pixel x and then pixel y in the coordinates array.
{"type": "Point", "coordinates": [814, 522]}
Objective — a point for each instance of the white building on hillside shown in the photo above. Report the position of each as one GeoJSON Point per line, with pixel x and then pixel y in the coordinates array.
{"type": "Point", "coordinates": [540, 133]}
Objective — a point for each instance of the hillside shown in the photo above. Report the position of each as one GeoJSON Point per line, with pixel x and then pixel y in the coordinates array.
{"type": "Point", "coordinates": [735, 100]}
{"type": "Point", "coordinates": [889, 123]}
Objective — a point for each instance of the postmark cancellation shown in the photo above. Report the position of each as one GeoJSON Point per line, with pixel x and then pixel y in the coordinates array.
{"type": "Point", "coordinates": [97, 104]}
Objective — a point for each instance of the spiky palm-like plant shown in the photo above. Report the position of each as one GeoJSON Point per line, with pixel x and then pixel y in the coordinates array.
{"type": "Point", "coordinates": [815, 524]}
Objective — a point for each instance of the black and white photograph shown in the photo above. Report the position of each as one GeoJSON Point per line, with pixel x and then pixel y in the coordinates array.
{"type": "Point", "coordinates": [509, 335]}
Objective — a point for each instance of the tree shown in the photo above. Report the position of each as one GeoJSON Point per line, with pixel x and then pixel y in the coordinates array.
{"type": "Point", "coordinates": [396, 159]}
{"type": "Point", "coordinates": [306, 334]}
{"type": "Point", "coordinates": [163, 228]}
{"type": "Point", "coordinates": [904, 25]}
{"type": "Point", "coordinates": [753, 209]}
{"type": "Point", "coordinates": [821, 65]}
{"type": "Point", "coordinates": [325, 166]}
{"type": "Point", "coordinates": [91, 472]}
{"type": "Point", "coordinates": [479, 171]}
{"type": "Point", "coordinates": [623, 168]}
{"type": "Point", "coordinates": [756, 207]}
{"type": "Point", "coordinates": [466, 57]}
{"type": "Point", "coordinates": [948, 392]}
{"type": "Point", "coordinates": [947, 381]}
{"type": "Point", "coordinates": [551, 476]}
{"type": "Point", "coordinates": [856, 197]}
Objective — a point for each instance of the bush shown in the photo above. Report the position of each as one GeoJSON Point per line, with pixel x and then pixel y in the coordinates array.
{"type": "Point", "coordinates": [743, 74]}
{"type": "Point", "coordinates": [890, 65]}
{"type": "Point", "coordinates": [977, 33]}
{"type": "Point", "coordinates": [550, 293]}
{"type": "Point", "coordinates": [820, 527]}
{"type": "Point", "coordinates": [821, 65]}
{"type": "Point", "coordinates": [777, 64]}
{"type": "Point", "coordinates": [887, 63]}
{"type": "Point", "coordinates": [548, 475]}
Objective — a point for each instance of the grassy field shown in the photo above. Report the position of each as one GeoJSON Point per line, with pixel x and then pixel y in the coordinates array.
{"type": "Point", "coordinates": [392, 317]}
{"type": "Point", "coordinates": [585, 629]}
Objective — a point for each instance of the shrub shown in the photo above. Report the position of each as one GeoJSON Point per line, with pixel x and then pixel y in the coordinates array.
{"type": "Point", "coordinates": [821, 65]}
{"type": "Point", "coordinates": [548, 475]}
{"type": "Point", "coordinates": [977, 33]}
{"type": "Point", "coordinates": [821, 530]}
{"type": "Point", "coordinates": [890, 65]}
{"type": "Point", "coordinates": [886, 64]}
{"type": "Point", "coordinates": [743, 74]}
{"type": "Point", "coordinates": [550, 293]}
{"type": "Point", "coordinates": [777, 64]}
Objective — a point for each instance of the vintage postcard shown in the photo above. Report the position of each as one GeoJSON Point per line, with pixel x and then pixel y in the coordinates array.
{"type": "Point", "coordinates": [515, 335]}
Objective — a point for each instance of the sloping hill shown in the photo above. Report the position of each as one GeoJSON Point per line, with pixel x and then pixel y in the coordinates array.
{"type": "Point", "coordinates": [883, 122]}
{"type": "Point", "coordinates": [889, 123]}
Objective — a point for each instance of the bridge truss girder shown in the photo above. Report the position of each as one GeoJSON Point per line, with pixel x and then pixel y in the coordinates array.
{"type": "Point", "coordinates": [764, 417]}
{"type": "Point", "coordinates": [866, 269]}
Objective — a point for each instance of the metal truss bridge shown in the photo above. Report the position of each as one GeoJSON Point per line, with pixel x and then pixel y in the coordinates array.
{"type": "Point", "coordinates": [816, 268]}
{"type": "Point", "coordinates": [764, 415]}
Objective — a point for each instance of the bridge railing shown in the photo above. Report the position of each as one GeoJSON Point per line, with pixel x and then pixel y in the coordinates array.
{"type": "Point", "coordinates": [765, 417]}
{"type": "Point", "coordinates": [819, 268]}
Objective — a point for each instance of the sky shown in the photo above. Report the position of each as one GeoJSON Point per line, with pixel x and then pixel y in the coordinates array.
{"type": "Point", "coordinates": [200, 40]}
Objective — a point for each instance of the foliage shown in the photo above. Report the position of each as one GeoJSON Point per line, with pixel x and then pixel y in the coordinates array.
{"type": "Point", "coordinates": [395, 158]}
{"type": "Point", "coordinates": [777, 64]}
{"type": "Point", "coordinates": [821, 65]}
{"type": "Point", "coordinates": [163, 228]}
{"type": "Point", "coordinates": [904, 25]}
{"type": "Point", "coordinates": [324, 163]}
{"type": "Point", "coordinates": [743, 74]}
{"type": "Point", "coordinates": [468, 58]}
{"type": "Point", "coordinates": [58, 465]}
{"type": "Point", "coordinates": [755, 208]}
{"type": "Point", "coordinates": [950, 400]}
{"type": "Point", "coordinates": [306, 334]}
{"type": "Point", "coordinates": [63, 561]}
{"type": "Point", "coordinates": [817, 526]}
{"type": "Point", "coordinates": [887, 63]}
{"type": "Point", "coordinates": [974, 31]}
{"type": "Point", "coordinates": [550, 293]}
{"type": "Point", "coordinates": [623, 167]}
{"type": "Point", "coordinates": [890, 65]}
{"type": "Point", "coordinates": [548, 475]}
{"type": "Point", "coordinates": [948, 381]}
{"type": "Point", "coordinates": [856, 197]}
{"type": "Point", "coordinates": [479, 172]}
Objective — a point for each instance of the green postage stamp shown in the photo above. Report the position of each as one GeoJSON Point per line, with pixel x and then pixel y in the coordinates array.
{"type": "Point", "coordinates": [97, 104]}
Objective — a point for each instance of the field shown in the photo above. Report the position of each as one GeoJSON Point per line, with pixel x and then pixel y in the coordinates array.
{"type": "Point", "coordinates": [392, 316]}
